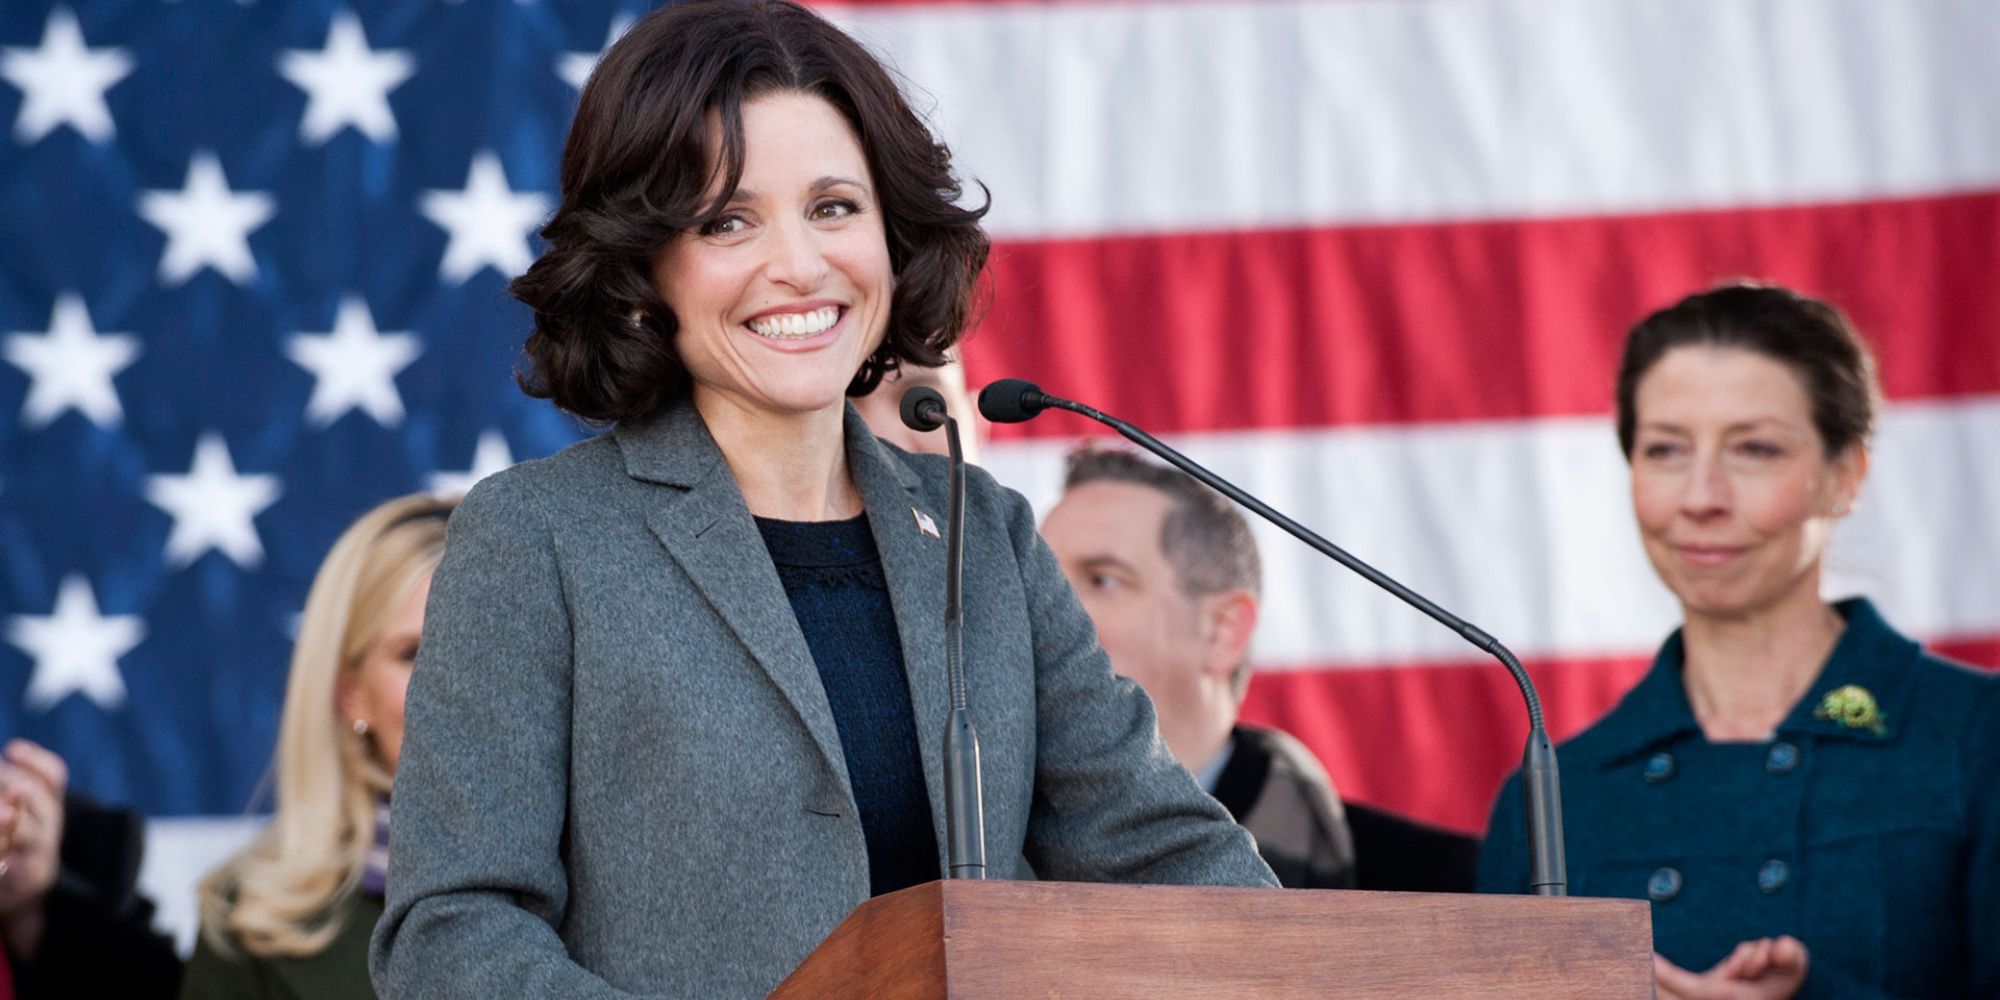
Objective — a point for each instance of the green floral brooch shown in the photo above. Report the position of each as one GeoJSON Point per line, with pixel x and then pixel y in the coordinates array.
{"type": "Point", "coordinates": [1853, 707]}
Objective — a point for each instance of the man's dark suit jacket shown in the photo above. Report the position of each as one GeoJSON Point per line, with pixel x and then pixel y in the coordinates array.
{"type": "Point", "coordinates": [1278, 791]}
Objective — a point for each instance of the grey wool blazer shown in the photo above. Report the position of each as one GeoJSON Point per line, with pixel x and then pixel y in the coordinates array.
{"type": "Point", "coordinates": [620, 775]}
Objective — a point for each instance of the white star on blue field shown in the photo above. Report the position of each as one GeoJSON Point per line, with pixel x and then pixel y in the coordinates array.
{"type": "Point", "coordinates": [257, 257]}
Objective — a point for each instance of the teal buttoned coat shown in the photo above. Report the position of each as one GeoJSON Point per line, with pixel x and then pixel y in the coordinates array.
{"type": "Point", "coordinates": [1876, 845]}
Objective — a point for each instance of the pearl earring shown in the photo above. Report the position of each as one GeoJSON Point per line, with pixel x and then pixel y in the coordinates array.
{"type": "Point", "coordinates": [360, 727]}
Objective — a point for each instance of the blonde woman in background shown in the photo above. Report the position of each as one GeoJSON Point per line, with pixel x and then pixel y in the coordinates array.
{"type": "Point", "coordinates": [289, 916]}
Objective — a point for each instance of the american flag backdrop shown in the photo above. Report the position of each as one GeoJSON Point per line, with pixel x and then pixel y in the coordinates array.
{"type": "Point", "coordinates": [1371, 259]}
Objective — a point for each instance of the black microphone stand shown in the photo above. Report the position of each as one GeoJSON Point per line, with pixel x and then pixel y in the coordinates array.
{"type": "Point", "coordinates": [923, 409]}
{"type": "Point", "coordinates": [1016, 399]}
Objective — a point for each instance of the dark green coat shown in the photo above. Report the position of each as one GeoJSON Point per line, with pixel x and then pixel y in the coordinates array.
{"type": "Point", "coordinates": [338, 973]}
{"type": "Point", "coordinates": [1873, 838]}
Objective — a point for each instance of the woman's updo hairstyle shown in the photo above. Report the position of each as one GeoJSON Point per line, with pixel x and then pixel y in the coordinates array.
{"type": "Point", "coordinates": [1812, 338]}
{"type": "Point", "coordinates": [635, 173]}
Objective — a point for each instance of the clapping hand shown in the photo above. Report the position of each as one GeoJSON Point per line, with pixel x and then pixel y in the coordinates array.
{"type": "Point", "coordinates": [32, 782]}
{"type": "Point", "coordinates": [1764, 969]}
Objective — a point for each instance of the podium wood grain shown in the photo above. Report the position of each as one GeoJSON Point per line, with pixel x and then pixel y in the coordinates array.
{"type": "Point", "coordinates": [1014, 940]}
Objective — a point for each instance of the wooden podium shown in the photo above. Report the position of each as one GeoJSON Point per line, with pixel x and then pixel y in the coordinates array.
{"type": "Point", "coordinates": [1046, 940]}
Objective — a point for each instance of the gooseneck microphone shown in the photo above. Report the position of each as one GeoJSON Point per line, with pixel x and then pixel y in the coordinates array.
{"type": "Point", "coordinates": [1013, 400]}
{"type": "Point", "coordinates": [923, 409]}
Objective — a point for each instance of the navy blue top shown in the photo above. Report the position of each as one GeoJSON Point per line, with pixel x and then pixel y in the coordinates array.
{"type": "Point", "coordinates": [833, 576]}
{"type": "Point", "coordinates": [1876, 841]}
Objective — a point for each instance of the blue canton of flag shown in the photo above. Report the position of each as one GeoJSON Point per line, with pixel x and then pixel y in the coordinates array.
{"type": "Point", "coordinates": [253, 284]}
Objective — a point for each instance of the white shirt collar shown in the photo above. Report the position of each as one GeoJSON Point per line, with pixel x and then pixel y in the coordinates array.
{"type": "Point", "coordinates": [1211, 772]}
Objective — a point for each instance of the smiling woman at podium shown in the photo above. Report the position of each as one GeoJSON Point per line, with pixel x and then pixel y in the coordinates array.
{"type": "Point", "coordinates": [1809, 799]}
{"type": "Point", "coordinates": [680, 702]}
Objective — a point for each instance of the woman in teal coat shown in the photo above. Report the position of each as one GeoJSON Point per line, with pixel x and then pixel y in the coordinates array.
{"type": "Point", "coordinates": [1810, 801]}
{"type": "Point", "coordinates": [290, 915]}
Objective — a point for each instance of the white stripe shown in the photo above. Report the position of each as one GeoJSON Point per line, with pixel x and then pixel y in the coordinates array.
{"type": "Point", "coordinates": [179, 852]}
{"type": "Point", "coordinates": [1525, 529]}
{"type": "Point", "coordinates": [1094, 118]}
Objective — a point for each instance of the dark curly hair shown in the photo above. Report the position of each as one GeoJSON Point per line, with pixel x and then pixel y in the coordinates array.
{"type": "Point", "coordinates": [636, 171]}
{"type": "Point", "coordinates": [1812, 338]}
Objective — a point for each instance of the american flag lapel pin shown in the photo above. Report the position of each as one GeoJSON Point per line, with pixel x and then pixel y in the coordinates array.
{"type": "Point", "coordinates": [925, 524]}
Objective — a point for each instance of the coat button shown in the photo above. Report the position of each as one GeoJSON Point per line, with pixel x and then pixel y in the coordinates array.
{"type": "Point", "coordinates": [1773, 876]}
{"type": "Point", "coordinates": [1782, 759]}
{"type": "Point", "coordinates": [1665, 884]}
{"type": "Point", "coordinates": [1659, 767]}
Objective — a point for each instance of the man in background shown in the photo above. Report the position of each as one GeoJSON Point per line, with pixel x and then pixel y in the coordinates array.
{"type": "Point", "coordinates": [1170, 574]}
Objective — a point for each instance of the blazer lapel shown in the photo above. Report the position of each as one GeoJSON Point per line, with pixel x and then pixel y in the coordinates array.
{"type": "Point", "coordinates": [707, 529]}
{"type": "Point", "coordinates": [913, 560]}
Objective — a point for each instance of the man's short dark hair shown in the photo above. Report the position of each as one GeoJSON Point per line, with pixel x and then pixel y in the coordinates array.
{"type": "Point", "coordinates": [1205, 538]}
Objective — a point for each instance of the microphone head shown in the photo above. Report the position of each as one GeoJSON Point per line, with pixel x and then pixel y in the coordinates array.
{"type": "Point", "coordinates": [923, 409]}
{"type": "Point", "coordinates": [1012, 400]}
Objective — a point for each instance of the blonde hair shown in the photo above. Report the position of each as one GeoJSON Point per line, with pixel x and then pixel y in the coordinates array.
{"type": "Point", "coordinates": [276, 896]}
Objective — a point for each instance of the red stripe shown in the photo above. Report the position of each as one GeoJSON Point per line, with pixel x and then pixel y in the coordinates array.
{"type": "Point", "coordinates": [1436, 741]}
{"type": "Point", "coordinates": [1432, 742]}
{"type": "Point", "coordinates": [1464, 320]}
{"type": "Point", "coordinates": [1982, 651]}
